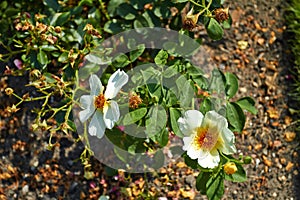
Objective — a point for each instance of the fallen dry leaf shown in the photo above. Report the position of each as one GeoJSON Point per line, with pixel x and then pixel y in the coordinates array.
{"type": "Point", "coordinates": [181, 165]}
{"type": "Point", "coordinates": [272, 38]}
{"type": "Point", "coordinates": [242, 44]}
{"type": "Point", "coordinates": [267, 161]}
{"type": "Point", "coordinates": [289, 136]}
{"type": "Point", "coordinates": [187, 194]}
{"type": "Point", "coordinates": [287, 120]}
{"type": "Point", "coordinates": [261, 41]}
{"type": "Point", "coordinates": [258, 147]}
{"type": "Point", "coordinates": [289, 166]}
{"type": "Point", "coordinates": [273, 113]}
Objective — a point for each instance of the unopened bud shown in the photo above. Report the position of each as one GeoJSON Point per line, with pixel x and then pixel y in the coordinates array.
{"type": "Point", "coordinates": [247, 160]}
{"type": "Point", "coordinates": [230, 168]}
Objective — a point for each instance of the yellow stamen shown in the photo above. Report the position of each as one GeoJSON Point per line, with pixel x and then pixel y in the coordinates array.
{"type": "Point", "coordinates": [205, 139]}
{"type": "Point", "coordinates": [100, 102]}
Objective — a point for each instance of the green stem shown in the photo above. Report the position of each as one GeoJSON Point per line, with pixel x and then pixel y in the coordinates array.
{"type": "Point", "coordinates": [104, 10]}
{"type": "Point", "coordinates": [197, 4]}
{"type": "Point", "coordinates": [231, 160]}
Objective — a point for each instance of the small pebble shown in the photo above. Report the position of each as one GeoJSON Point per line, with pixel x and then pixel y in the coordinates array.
{"type": "Point", "coordinates": [257, 161]}
{"type": "Point", "coordinates": [25, 189]}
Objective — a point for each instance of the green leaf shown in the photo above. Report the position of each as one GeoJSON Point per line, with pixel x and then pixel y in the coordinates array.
{"type": "Point", "coordinates": [238, 176]}
{"type": "Point", "coordinates": [151, 75]}
{"type": "Point", "coordinates": [140, 22]}
{"type": "Point", "coordinates": [133, 55]}
{"type": "Point", "coordinates": [163, 10]}
{"type": "Point", "coordinates": [193, 163]}
{"type": "Point", "coordinates": [138, 4]}
{"type": "Point", "coordinates": [42, 57]}
{"type": "Point", "coordinates": [235, 116]}
{"type": "Point", "coordinates": [152, 20]}
{"type": "Point", "coordinates": [174, 116]}
{"type": "Point", "coordinates": [170, 97]}
{"type": "Point", "coordinates": [3, 5]}
{"type": "Point", "coordinates": [185, 91]}
{"type": "Point", "coordinates": [52, 4]}
{"type": "Point", "coordinates": [163, 137]}
{"type": "Point", "coordinates": [247, 103]}
{"type": "Point", "coordinates": [126, 11]}
{"type": "Point", "coordinates": [63, 57]}
{"type": "Point", "coordinates": [206, 106]}
{"type": "Point", "coordinates": [201, 181]}
{"type": "Point", "coordinates": [60, 19]}
{"type": "Point", "coordinates": [155, 91]}
{"type": "Point", "coordinates": [9, 12]}
{"type": "Point", "coordinates": [156, 120]}
{"type": "Point", "coordinates": [161, 58]}
{"type": "Point", "coordinates": [214, 30]}
{"type": "Point", "coordinates": [232, 84]}
{"type": "Point", "coordinates": [134, 116]}
{"type": "Point", "coordinates": [114, 26]}
{"type": "Point", "coordinates": [113, 5]}
{"type": "Point", "coordinates": [48, 48]}
{"type": "Point", "coordinates": [217, 82]}
{"type": "Point", "coordinates": [180, 1]}
{"type": "Point", "coordinates": [121, 61]}
{"type": "Point", "coordinates": [170, 71]}
{"type": "Point", "coordinates": [227, 23]}
{"type": "Point", "coordinates": [215, 187]}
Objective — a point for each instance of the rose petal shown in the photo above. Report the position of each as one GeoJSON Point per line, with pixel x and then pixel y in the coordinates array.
{"type": "Point", "coordinates": [87, 102]}
{"type": "Point", "coordinates": [115, 83]}
{"type": "Point", "coordinates": [97, 125]}
{"type": "Point", "coordinates": [191, 120]}
{"type": "Point", "coordinates": [209, 159]}
{"type": "Point", "coordinates": [111, 114]}
{"type": "Point", "coordinates": [95, 85]}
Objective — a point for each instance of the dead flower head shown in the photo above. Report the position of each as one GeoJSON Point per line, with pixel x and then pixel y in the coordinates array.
{"type": "Point", "coordinates": [12, 109]}
{"type": "Point", "coordinates": [190, 20]}
{"type": "Point", "coordinates": [92, 31]}
{"type": "Point", "coordinates": [221, 14]}
{"type": "Point", "coordinates": [134, 101]}
{"type": "Point", "coordinates": [9, 91]}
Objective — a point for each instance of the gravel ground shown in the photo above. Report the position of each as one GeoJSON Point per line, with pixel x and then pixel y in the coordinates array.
{"type": "Point", "coordinates": [255, 49]}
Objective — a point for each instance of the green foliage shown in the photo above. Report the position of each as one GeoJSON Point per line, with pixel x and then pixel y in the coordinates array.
{"type": "Point", "coordinates": [54, 39]}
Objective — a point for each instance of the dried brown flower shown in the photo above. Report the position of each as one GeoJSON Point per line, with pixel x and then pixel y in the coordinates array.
{"type": "Point", "coordinates": [134, 101]}
{"type": "Point", "coordinates": [221, 14]}
{"type": "Point", "coordinates": [9, 91]}
{"type": "Point", "coordinates": [190, 20]}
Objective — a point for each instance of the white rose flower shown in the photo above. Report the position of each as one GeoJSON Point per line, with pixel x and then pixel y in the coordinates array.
{"type": "Point", "coordinates": [205, 136]}
{"type": "Point", "coordinates": [100, 106]}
